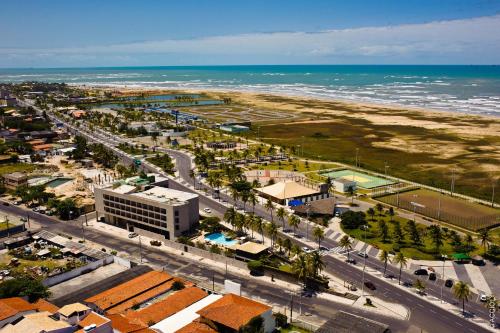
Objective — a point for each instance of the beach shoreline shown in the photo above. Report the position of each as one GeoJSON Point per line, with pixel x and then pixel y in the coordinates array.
{"type": "Point", "coordinates": [139, 89]}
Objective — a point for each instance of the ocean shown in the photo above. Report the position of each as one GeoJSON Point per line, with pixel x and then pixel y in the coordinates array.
{"type": "Point", "coordinates": [465, 89]}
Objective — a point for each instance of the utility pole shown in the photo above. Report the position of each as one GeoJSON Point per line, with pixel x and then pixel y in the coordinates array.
{"type": "Point", "coordinates": [357, 152]}
{"type": "Point", "coordinates": [385, 167]}
{"type": "Point", "coordinates": [364, 266]}
{"type": "Point", "coordinates": [493, 195]}
{"type": "Point", "coordinates": [443, 256]}
{"type": "Point", "coordinates": [291, 307]}
{"type": "Point", "coordinates": [452, 189]}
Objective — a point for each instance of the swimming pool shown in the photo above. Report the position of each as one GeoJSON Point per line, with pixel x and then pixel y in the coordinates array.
{"type": "Point", "coordinates": [58, 181]}
{"type": "Point", "coordinates": [219, 238]}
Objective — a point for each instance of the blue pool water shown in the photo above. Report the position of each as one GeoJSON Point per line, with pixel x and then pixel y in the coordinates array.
{"type": "Point", "coordinates": [219, 238]}
{"type": "Point", "coordinates": [58, 181]}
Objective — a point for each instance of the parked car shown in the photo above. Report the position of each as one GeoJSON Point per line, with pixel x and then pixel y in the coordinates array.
{"type": "Point", "coordinates": [133, 234]}
{"type": "Point", "coordinates": [324, 249]}
{"type": "Point", "coordinates": [432, 276]}
{"type": "Point", "coordinates": [306, 249]}
{"type": "Point", "coordinates": [155, 242]}
{"type": "Point", "coordinates": [408, 284]}
{"type": "Point", "coordinates": [370, 285]}
{"type": "Point", "coordinates": [5, 203]}
{"type": "Point", "coordinates": [207, 210]}
{"type": "Point", "coordinates": [351, 261]}
{"type": "Point", "coordinates": [17, 202]}
{"type": "Point", "coordinates": [448, 283]}
{"type": "Point", "coordinates": [363, 254]}
{"type": "Point", "coordinates": [483, 297]}
{"type": "Point", "coordinates": [421, 272]}
{"type": "Point", "coordinates": [23, 219]}
{"type": "Point", "coordinates": [389, 276]}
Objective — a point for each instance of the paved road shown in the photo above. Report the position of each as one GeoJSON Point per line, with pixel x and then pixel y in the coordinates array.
{"type": "Point", "coordinates": [200, 271]}
{"type": "Point", "coordinates": [424, 314]}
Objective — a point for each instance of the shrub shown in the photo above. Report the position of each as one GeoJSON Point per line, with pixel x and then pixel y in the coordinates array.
{"type": "Point", "coordinates": [114, 253]}
{"type": "Point", "coordinates": [281, 320]}
{"type": "Point", "coordinates": [255, 265]}
{"type": "Point", "coordinates": [178, 285]}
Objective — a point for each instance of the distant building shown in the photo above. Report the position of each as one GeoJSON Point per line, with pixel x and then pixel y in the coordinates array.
{"type": "Point", "coordinates": [148, 207]}
{"type": "Point", "coordinates": [234, 128]}
{"type": "Point", "coordinates": [342, 185]}
{"type": "Point", "coordinates": [285, 191]}
{"type": "Point", "coordinates": [15, 179]}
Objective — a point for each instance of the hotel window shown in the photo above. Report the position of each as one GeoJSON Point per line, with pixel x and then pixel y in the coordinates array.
{"type": "Point", "coordinates": [163, 211]}
{"type": "Point", "coordinates": [133, 204]}
{"type": "Point", "coordinates": [106, 197]}
{"type": "Point", "coordinates": [177, 227]}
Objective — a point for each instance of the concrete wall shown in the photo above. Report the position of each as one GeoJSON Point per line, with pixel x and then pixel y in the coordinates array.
{"type": "Point", "coordinates": [269, 322]}
{"type": "Point", "coordinates": [53, 280]}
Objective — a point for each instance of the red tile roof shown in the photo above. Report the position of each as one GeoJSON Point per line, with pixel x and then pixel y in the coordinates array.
{"type": "Point", "coordinates": [13, 305]}
{"type": "Point", "coordinates": [43, 305]}
{"type": "Point", "coordinates": [196, 327]}
{"type": "Point", "coordinates": [92, 318]}
{"type": "Point", "coordinates": [169, 306]}
{"type": "Point", "coordinates": [233, 311]}
{"type": "Point", "coordinates": [127, 325]}
{"type": "Point", "coordinates": [130, 289]}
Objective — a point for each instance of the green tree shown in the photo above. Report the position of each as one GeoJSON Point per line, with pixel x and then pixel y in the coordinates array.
{"type": "Point", "coordinates": [270, 207]}
{"type": "Point", "coordinates": [462, 293]}
{"type": "Point", "coordinates": [255, 325]}
{"type": "Point", "coordinates": [371, 212]}
{"type": "Point", "coordinates": [66, 209]}
{"type": "Point", "coordinates": [24, 286]}
{"type": "Point", "coordinates": [436, 235]}
{"type": "Point", "coordinates": [272, 231]}
{"type": "Point", "coordinates": [383, 230]}
{"type": "Point", "coordinates": [319, 235]}
{"type": "Point", "coordinates": [413, 232]}
{"type": "Point", "coordinates": [353, 220]}
{"type": "Point", "coordinates": [281, 214]}
{"type": "Point", "coordinates": [287, 244]}
{"type": "Point", "coordinates": [301, 268]}
{"type": "Point", "coordinates": [384, 256]}
{"type": "Point", "coordinates": [380, 208]}
{"type": "Point", "coordinates": [316, 264]}
{"type": "Point", "coordinates": [397, 233]}
{"type": "Point", "coordinates": [391, 212]}
{"type": "Point", "coordinates": [230, 216]}
{"type": "Point", "coordinates": [346, 243]}
{"type": "Point", "coordinates": [294, 221]}
{"type": "Point", "coordinates": [401, 260]}
{"type": "Point", "coordinates": [485, 238]}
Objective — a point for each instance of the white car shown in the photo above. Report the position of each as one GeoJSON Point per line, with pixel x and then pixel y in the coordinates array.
{"type": "Point", "coordinates": [483, 297]}
{"type": "Point", "coordinates": [306, 249]}
{"type": "Point", "coordinates": [207, 210]}
{"type": "Point", "coordinates": [363, 254]}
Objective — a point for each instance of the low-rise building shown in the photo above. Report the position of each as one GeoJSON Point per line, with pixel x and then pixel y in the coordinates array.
{"type": "Point", "coordinates": [285, 191]}
{"type": "Point", "coordinates": [15, 179]}
{"type": "Point", "coordinates": [147, 206]}
{"type": "Point", "coordinates": [342, 185]}
{"type": "Point", "coordinates": [234, 128]}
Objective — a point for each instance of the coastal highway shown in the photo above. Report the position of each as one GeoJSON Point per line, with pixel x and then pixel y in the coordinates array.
{"type": "Point", "coordinates": [198, 270]}
{"type": "Point", "coordinates": [423, 314]}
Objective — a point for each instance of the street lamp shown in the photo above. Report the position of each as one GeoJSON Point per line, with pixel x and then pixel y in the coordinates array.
{"type": "Point", "coordinates": [308, 205]}
{"type": "Point", "coordinates": [444, 257]}
{"type": "Point", "coordinates": [364, 266]}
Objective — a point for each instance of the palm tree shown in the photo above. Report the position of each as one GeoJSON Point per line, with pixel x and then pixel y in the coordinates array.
{"type": "Point", "coordinates": [301, 268]}
{"type": "Point", "coordinates": [379, 208]}
{"type": "Point", "coordinates": [279, 242]}
{"type": "Point", "coordinates": [287, 244]}
{"type": "Point", "coordinates": [462, 293]}
{"type": "Point", "coordinates": [293, 221]}
{"type": "Point", "coordinates": [436, 235]}
{"type": "Point", "coordinates": [230, 216]}
{"type": "Point", "coordinates": [295, 249]}
{"type": "Point", "coordinates": [316, 263]}
{"type": "Point", "coordinates": [249, 222]}
{"type": "Point", "coordinates": [270, 207]}
{"type": "Point", "coordinates": [485, 238]}
{"type": "Point", "coordinates": [272, 231]}
{"type": "Point", "coordinates": [391, 212]}
{"type": "Point", "coordinates": [371, 212]}
{"type": "Point", "coordinates": [235, 195]}
{"type": "Point", "coordinates": [281, 214]}
{"type": "Point", "coordinates": [346, 243]}
{"type": "Point", "coordinates": [259, 225]}
{"type": "Point", "coordinates": [252, 198]}
{"type": "Point", "coordinates": [402, 261]}
{"type": "Point", "coordinates": [384, 256]}
{"type": "Point", "coordinates": [319, 235]}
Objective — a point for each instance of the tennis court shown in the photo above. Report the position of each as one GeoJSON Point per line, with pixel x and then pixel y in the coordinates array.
{"type": "Point", "coordinates": [363, 180]}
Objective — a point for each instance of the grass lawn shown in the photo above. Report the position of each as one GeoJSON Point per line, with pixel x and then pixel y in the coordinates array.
{"type": "Point", "coordinates": [3, 225]}
{"type": "Point", "coordinates": [424, 252]}
{"type": "Point", "coordinates": [293, 328]}
{"type": "Point", "coordinates": [295, 165]}
{"type": "Point", "coordinates": [17, 167]}
{"type": "Point", "coordinates": [495, 236]}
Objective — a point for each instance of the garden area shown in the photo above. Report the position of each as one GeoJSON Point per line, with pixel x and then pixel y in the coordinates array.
{"type": "Point", "coordinates": [389, 232]}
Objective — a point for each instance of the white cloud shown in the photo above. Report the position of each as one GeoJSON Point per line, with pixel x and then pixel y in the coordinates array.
{"type": "Point", "coordinates": [473, 40]}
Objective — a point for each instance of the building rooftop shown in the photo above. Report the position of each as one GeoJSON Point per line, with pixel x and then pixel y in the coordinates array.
{"type": "Point", "coordinates": [251, 247]}
{"type": "Point", "coordinates": [16, 175]}
{"type": "Point", "coordinates": [36, 322]}
{"type": "Point", "coordinates": [125, 291]}
{"type": "Point", "coordinates": [13, 305]}
{"type": "Point", "coordinates": [174, 303]}
{"type": "Point", "coordinates": [43, 305]}
{"type": "Point", "coordinates": [185, 316]}
{"type": "Point", "coordinates": [124, 324]}
{"type": "Point", "coordinates": [162, 194]}
{"type": "Point", "coordinates": [196, 326]}
{"type": "Point", "coordinates": [92, 318]}
{"type": "Point", "coordinates": [233, 311]}
{"type": "Point", "coordinates": [287, 190]}
{"type": "Point", "coordinates": [70, 309]}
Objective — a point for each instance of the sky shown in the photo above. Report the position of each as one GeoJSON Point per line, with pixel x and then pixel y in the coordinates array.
{"type": "Point", "coordinates": [88, 33]}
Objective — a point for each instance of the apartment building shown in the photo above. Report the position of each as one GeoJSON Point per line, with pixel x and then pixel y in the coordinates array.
{"type": "Point", "coordinates": [147, 206]}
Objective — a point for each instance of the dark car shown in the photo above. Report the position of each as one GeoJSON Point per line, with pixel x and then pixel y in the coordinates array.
{"type": "Point", "coordinates": [448, 283]}
{"type": "Point", "coordinates": [370, 285]}
{"type": "Point", "coordinates": [5, 203]}
{"type": "Point", "coordinates": [421, 272]}
{"type": "Point", "coordinates": [351, 261]}
{"type": "Point", "coordinates": [408, 284]}
{"type": "Point", "coordinates": [432, 276]}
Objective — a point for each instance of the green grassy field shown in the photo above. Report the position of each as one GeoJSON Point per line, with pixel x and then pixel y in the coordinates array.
{"type": "Point", "coordinates": [338, 139]}
{"type": "Point", "coordinates": [17, 167]}
{"type": "Point", "coordinates": [465, 214]}
{"type": "Point", "coordinates": [423, 252]}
